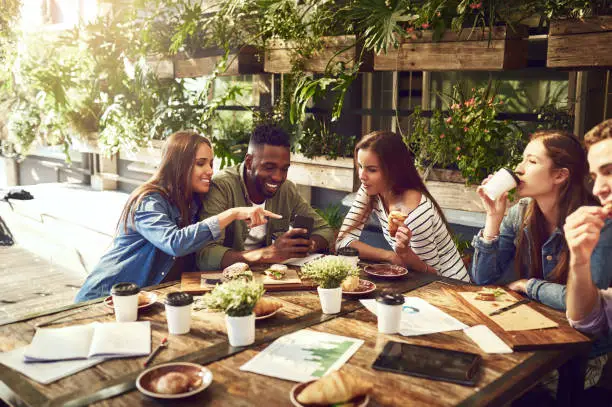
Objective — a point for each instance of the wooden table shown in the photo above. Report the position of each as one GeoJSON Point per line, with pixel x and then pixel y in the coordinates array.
{"type": "Point", "coordinates": [503, 377]}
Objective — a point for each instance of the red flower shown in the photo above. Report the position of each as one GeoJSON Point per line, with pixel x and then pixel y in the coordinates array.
{"type": "Point", "coordinates": [465, 129]}
{"type": "Point", "coordinates": [448, 119]}
{"type": "Point", "coordinates": [425, 26]}
{"type": "Point", "coordinates": [458, 148]}
{"type": "Point", "coordinates": [442, 135]}
{"type": "Point", "coordinates": [410, 29]}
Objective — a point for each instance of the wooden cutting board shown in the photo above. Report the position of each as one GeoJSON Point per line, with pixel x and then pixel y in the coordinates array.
{"type": "Point", "coordinates": [193, 282]}
{"type": "Point", "coordinates": [521, 339]}
{"type": "Point", "coordinates": [521, 318]}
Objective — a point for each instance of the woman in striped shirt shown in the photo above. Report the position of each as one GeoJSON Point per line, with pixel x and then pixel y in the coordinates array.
{"type": "Point", "coordinates": [390, 181]}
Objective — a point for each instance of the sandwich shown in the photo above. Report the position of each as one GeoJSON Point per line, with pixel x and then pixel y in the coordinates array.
{"type": "Point", "coordinates": [276, 271]}
{"type": "Point", "coordinates": [237, 271]}
{"type": "Point", "coordinates": [392, 226]}
{"type": "Point", "coordinates": [336, 387]}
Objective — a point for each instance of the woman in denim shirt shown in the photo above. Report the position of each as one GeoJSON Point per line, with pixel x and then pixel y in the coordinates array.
{"type": "Point", "coordinates": [159, 228]}
{"type": "Point", "coordinates": [527, 246]}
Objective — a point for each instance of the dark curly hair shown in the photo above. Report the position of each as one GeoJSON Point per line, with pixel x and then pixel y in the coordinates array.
{"type": "Point", "coordinates": [270, 135]}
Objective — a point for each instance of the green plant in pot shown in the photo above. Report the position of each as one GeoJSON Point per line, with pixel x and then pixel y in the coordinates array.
{"type": "Point", "coordinates": [237, 299]}
{"type": "Point", "coordinates": [329, 272]}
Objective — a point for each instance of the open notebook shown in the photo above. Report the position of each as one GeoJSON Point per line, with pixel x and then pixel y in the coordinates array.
{"type": "Point", "coordinates": [108, 340]}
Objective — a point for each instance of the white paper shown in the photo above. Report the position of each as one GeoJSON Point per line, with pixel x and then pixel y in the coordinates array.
{"type": "Point", "coordinates": [421, 318]}
{"type": "Point", "coordinates": [303, 355]}
{"type": "Point", "coordinates": [44, 372]}
{"type": "Point", "coordinates": [487, 340]}
{"type": "Point", "coordinates": [115, 339]}
{"type": "Point", "coordinates": [300, 261]}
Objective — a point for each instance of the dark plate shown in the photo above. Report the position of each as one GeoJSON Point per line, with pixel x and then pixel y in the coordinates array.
{"type": "Point", "coordinates": [359, 401]}
{"type": "Point", "coordinates": [365, 287]}
{"type": "Point", "coordinates": [385, 270]}
{"type": "Point", "coordinates": [199, 376]}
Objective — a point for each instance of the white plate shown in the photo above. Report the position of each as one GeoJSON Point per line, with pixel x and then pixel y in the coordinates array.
{"type": "Point", "coordinates": [146, 379]}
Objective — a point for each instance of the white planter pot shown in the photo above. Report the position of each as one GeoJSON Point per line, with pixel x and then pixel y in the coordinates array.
{"type": "Point", "coordinates": [240, 330]}
{"type": "Point", "coordinates": [331, 299]}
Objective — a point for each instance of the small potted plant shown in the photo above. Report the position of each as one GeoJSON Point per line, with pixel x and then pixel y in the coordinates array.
{"type": "Point", "coordinates": [237, 299]}
{"type": "Point", "coordinates": [329, 272]}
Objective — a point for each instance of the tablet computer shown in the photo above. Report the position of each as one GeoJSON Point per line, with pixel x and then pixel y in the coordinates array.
{"type": "Point", "coordinates": [431, 363]}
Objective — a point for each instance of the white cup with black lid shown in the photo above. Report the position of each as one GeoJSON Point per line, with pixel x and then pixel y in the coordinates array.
{"type": "Point", "coordinates": [125, 301]}
{"type": "Point", "coordinates": [349, 253]}
{"type": "Point", "coordinates": [178, 312]}
{"type": "Point", "coordinates": [389, 312]}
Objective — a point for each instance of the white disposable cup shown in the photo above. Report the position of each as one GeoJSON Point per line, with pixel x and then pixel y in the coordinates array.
{"type": "Point", "coordinates": [502, 181]}
{"type": "Point", "coordinates": [354, 260]}
{"type": "Point", "coordinates": [126, 307]}
{"type": "Point", "coordinates": [389, 317]}
{"type": "Point", "coordinates": [179, 319]}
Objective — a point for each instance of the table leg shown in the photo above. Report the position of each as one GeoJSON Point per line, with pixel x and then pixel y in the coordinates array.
{"type": "Point", "coordinates": [571, 381]}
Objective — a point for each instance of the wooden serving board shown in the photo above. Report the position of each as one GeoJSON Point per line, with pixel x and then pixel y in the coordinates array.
{"type": "Point", "coordinates": [523, 335]}
{"type": "Point", "coordinates": [192, 282]}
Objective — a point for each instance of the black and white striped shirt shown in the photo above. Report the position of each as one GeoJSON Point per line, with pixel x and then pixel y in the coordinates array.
{"type": "Point", "coordinates": [430, 239]}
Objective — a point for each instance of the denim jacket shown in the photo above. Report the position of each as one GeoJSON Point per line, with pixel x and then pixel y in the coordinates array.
{"type": "Point", "coordinates": [146, 252]}
{"type": "Point", "coordinates": [493, 262]}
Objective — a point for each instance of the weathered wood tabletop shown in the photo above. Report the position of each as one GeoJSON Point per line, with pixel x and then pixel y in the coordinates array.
{"type": "Point", "coordinates": [503, 377]}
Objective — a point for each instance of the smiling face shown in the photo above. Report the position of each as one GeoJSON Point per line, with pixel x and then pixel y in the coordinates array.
{"type": "Point", "coordinates": [370, 173]}
{"type": "Point", "coordinates": [265, 171]}
{"type": "Point", "coordinates": [600, 167]}
{"type": "Point", "coordinates": [536, 172]}
{"type": "Point", "coordinates": [202, 169]}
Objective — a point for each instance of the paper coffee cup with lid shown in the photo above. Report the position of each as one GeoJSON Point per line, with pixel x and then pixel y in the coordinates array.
{"type": "Point", "coordinates": [178, 312]}
{"type": "Point", "coordinates": [125, 301]}
{"type": "Point", "coordinates": [349, 253]}
{"type": "Point", "coordinates": [502, 181]}
{"type": "Point", "coordinates": [389, 312]}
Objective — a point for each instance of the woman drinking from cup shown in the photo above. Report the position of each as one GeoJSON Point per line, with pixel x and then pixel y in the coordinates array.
{"type": "Point", "coordinates": [412, 222]}
{"type": "Point", "coordinates": [526, 247]}
{"type": "Point", "coordinates": [158, 230]}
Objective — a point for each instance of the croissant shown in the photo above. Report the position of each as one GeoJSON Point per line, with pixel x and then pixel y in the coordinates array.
{"type": "Point", "coordinates": [336, 387]}
{"type": "Point", "coordinates": [266, 306]}
{"type": "Point", "coordinates": [351, 283]}
{"type": "Point", "coordinates": [392, 226]}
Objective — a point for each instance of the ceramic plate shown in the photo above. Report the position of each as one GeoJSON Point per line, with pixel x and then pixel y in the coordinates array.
{"type": "Point", "coordinates": [385, 270]}
{"type": "Point", "coordinates": [365, 287]}
{"type": "Point", "coordinates": [359, 401]}
{"type": "Point", "coordinates": [200, 378]}
{"type": "Point", "coordinates": [266, 316]}
{"type": "Point", "coordinates": [145, 295]}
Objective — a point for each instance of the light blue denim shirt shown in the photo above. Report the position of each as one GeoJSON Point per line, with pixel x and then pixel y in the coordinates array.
{"type": "Point", "coordinates": [146, 252]}
{"type": "Point", "coordinates": [493, 262]}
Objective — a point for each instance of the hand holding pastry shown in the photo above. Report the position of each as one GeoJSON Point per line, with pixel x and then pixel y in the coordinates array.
{"type": "Point", "coordinates": [393, 216]}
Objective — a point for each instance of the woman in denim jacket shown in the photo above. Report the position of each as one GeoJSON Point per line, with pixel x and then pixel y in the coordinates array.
{"type": "Point", "coordinates": [527, 246]}
{"type": "Point", "coordinates": [158, 230]}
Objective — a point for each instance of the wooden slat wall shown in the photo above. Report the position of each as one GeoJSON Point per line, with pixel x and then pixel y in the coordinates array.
{"type": "Point", "coordinates": [580, 43]}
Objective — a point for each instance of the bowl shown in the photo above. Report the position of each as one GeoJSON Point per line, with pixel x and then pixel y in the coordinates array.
{"type": "Point", "coordinates": [359, 401]}
{"type": "Point", "coordinates": [200, 378]}
{"type": "Point", "coordinates": [385, 270]}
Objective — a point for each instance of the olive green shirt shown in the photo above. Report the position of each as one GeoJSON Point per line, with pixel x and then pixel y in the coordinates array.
{"type": "Point", "coordinates": [228, 190]}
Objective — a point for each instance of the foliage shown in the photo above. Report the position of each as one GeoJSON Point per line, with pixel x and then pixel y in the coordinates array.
{"type": "Point", "coordinates": [231, 141]}
{"type": "Point", "coordinates": [468, 136]}
{"type": "Point", "coordinates": [319, 139]}
{"type": "Point", "coordinates": [329, 271]}
{"type": "Point", "coordinates": [551, 117]}
{"type": "Point", "coordinates": [236, 298]}
{"type": "Point", "coordinates": [333, 214]}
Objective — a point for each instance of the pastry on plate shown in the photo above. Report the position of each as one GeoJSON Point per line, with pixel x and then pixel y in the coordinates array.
{"type": "Point", "coordinates": [392, 226]}
{"type": "Point", "coordinates": [237, 271]}
{"type": "Point", "coordinates": [336, 387]}
{"type": "Point", "coordinates": [172, 383]}
{"type": "Point", "coordinates": [266, 306]}
{"type": "Point", "coordinates": [350, 284]}
{"type": "Point", "coordinates": [277, 271]}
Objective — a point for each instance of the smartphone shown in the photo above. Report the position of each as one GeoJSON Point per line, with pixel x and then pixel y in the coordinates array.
{"type": "Point", "coordinates": [303, 222]}
{"type": "Point", "coordinates": [431, 363]}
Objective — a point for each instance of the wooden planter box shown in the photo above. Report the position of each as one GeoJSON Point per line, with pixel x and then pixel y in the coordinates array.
{"type": "Point", "coordinates": [247, 60]}
{"type": "Point", "coordinates": [576, 43]}
{"type": "Point", "coordinates": [163, 68]}
{"type": "Point", "coordinates": [468, 50]}
{"type": "Point", "coordinates": [279, 55]}
{"type": "Point", "coordinates": [321, 172]}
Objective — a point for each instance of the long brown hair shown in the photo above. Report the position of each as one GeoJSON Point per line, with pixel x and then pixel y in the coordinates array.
{"type": "Point", "coordinates": [565, 151]}
{"type": "Point", "coordinates": [397, 167]}
{"type": "Point", "coordinates": [173, 177]}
